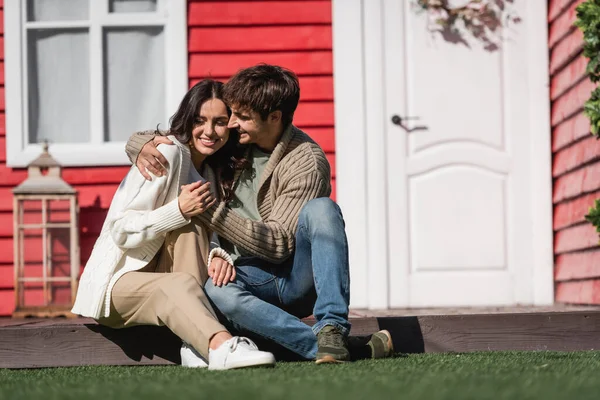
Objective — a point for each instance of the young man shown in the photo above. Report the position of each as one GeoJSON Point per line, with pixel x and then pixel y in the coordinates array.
{"type": "Point", "coordinates": [284, 235]}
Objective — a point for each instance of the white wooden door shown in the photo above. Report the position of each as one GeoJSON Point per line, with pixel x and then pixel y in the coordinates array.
{"type": "Point", "coordinates": [453, 208]}
{"type": "Point", "coordinates": [459, 169]}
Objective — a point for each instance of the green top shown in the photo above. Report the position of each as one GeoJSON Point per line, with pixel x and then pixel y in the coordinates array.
{"type": "Point", "coordinates": [244, 201]}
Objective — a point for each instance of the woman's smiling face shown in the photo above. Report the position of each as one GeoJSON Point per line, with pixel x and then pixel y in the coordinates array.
{"type": "Point", "coordinates": [210, 131]}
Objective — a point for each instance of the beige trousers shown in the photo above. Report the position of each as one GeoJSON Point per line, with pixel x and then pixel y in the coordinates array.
{"type": "Point", "coordinates": [168, 291]}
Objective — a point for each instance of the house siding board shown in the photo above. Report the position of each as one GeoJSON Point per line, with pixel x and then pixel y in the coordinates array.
{"type": "Point", "coordinates": [582, 152]}
{"type": "Point", "coordinates": [6, 230]}
{"type": "Point", "coordinates": [568, 77]}
{"type": "Point", "coordinates": [571, 102]}
{"type": "Point", "coordinates": [575, 238]}
{"type": "Point", "coordinates": [2, 151]}
{"type": "Point", "coordinates": [569, 131]}
{"type": "Point", "coordinates": [575, 164]}
{"type": "Point", "coordinates": [578, 266]}
{"type": "Point", "coordinates": [294, 34]}
{"type": "Point", "coordinates": [563, 24]}
{"type": "Point", "coordinates": [6, 276]}
{"type": "Point", "coordinates": [579, 292]}
{"type": "Point", "coordinates": [558, 7]}
{"type": "Point", "coordinates": [7, 301]}
{"type": "Point", "coordinates": [576, 183]}
{"type": "Point", "coordinates": [259, 13]}
{"type": "Point", "coordinates": [573, 212]}
{"type": "Point", "coordinates": [565, 51]}
{"type": "Point", "coordinates": [259, 38]}
{"type": "Point", "coordinates": [223, 66]}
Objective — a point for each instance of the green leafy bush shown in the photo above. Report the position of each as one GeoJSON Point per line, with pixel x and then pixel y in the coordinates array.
{"type": "Point", "coordinates": [594, 216]}
{"type": "Point", "coordinates": [588, 20]}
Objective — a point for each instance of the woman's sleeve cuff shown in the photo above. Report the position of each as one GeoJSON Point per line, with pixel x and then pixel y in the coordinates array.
{"type": "Point", "coordinates": [219, 252]}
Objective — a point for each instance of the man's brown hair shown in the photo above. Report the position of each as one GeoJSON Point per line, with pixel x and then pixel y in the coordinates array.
{"type": "Point", "coordinates": [263, 89]}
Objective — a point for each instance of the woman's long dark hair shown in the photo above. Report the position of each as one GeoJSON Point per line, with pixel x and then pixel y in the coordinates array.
{"type": "Point", "coordinates": [231, 156]}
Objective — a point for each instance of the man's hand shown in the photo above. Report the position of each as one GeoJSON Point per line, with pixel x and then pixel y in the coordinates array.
{"type": "Point", "coordinates": [221, 271]}
{"type": "Point", "coordinates": [195, 198]}
{"type": "Point", "coordinates": [152, 160]}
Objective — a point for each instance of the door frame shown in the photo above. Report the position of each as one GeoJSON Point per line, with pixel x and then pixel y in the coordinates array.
{"type": "Point", "coordinates": [361, 155]}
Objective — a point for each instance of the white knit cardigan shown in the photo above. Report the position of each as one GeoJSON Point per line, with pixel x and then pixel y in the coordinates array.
{"type": "Point", "coordinates": [140, 215]}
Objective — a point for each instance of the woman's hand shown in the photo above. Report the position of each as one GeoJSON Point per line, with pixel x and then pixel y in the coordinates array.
{"type": "Point", "coordinates": [195, 198]}
{"type": "Point", "coordinates": [221, 271]}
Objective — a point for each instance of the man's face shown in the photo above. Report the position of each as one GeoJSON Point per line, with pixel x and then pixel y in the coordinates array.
{"type": "Point", "coordinates": [249, 124]}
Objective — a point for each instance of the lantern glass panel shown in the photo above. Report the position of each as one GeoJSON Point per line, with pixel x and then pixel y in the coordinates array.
{"type": "Point", "coordinates": [32, 211]}
{"type": "Point", "coordinates": [59, 267]}
{"type": "Point", "coordinates": [32, 253]}
{"type": "Point", "coordinates": [59, 294]}
{"type": "Point", "coordinates": [33, 294]}
{"type": "Point", "coordinates": [59, 240]}
{"type": "Point", "coordinates": [59, 211]}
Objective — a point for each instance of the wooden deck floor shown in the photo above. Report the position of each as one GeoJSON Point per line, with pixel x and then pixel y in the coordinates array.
{"type": "Point", "coordinates": [31, 343]}
{"type": "Point", "coordinates": [408, 312]}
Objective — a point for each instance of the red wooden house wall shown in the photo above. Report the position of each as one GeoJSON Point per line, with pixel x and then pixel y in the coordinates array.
{"type": "Point", "coordinates": [576, 161]}
{"type": "Point", "coordinates": [224, 36]}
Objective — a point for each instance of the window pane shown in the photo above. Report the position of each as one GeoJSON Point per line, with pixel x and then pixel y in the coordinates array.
{"type": "Point", "coordinates": [127, 6]}
{"type": "Point", "coordinates": [58, 86]}
{"type": "Point", "coordinates": [134, 81]}
{"type": "Point", "coordinates": [57, 10]}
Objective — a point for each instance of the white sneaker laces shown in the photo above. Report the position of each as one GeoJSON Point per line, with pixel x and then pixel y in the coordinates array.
{"type": "Point", "coordinates": [242, 341]}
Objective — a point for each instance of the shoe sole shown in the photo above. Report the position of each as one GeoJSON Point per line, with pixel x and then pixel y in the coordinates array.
{"type": "Point", "coordinates": [194, 365]}
{"type": "Point", "coordinates": [328, 360]}
{"type": "Point", "coordinates": [240, 365]}
{"type": "Point", "coordinates": [264, 365]}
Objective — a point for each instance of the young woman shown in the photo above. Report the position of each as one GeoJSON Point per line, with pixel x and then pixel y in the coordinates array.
{"type": "Point", "coordinates": [149, 264]}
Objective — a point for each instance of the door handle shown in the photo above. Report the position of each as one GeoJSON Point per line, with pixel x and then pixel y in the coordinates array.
{"type": "Point", "coordinates": [398, 120]}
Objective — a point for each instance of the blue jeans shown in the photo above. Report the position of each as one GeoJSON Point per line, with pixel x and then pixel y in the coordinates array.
{"type": "Point", "coordinates": [269, 299]}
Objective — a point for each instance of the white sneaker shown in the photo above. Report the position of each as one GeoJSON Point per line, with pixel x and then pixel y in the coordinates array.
{"type": "Point", "coordinates": [238, 352]}
{"type": "Point", "coordinates": [191, 358]}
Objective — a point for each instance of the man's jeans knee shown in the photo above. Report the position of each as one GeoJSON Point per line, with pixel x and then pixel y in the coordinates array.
{"type": "Point", "coordinates": [319, 212]}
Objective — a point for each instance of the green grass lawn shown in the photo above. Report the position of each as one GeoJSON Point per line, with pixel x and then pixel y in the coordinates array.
{"type": "Point", "coordinates": [507, 375]}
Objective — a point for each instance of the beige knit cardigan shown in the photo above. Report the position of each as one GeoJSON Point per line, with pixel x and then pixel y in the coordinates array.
{"type": "Point", "coordinates": [296, 172]}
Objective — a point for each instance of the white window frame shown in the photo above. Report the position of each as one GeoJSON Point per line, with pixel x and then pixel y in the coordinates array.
{"type": "Point", "coordinates": [172, 14]}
